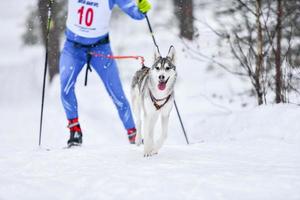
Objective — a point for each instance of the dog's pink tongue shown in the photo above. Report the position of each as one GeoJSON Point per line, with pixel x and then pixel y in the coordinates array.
{"type": "Point", "coordinates": [162, 86]}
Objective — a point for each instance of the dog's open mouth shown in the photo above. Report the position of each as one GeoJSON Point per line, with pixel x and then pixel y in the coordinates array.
{"type": "Point", "coordinates": [162, 84]}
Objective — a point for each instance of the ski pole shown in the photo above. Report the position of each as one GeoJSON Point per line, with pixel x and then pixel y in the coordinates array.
{"type": "Point", "coordinates": [178, 114]}
{"type": "Point", "coordinates": [45, 69]}
{"type": "Point", "coordinates": [181, 123]}
{"type": "Point", "coordinates": [152, 34]}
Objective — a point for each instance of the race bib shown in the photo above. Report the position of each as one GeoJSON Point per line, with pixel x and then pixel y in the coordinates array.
{"type": "Point", "coordinates": [88, 18]}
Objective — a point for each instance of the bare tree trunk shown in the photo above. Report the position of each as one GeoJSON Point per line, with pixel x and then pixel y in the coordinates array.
{"type": "Point", "coordinates": [53, 44]}
{"type": "Point", "coordinates": [184, 12]}
{"type": "Point", "coordinates": [259, 59]}
{"type": "Point", "coordinates": [278, 78]}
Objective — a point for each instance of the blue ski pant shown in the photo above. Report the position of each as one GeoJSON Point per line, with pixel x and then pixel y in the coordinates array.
{"type": "Point", "coordinates": [72, 60]}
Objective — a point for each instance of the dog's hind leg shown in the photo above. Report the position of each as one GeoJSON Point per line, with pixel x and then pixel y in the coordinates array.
{"type": "Point", "coordinates": [164, 132]}
{"type": "Point", "coordinates": [136, 107]}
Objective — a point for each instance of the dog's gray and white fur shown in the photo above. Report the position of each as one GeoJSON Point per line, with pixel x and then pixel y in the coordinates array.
{"type": "Point", "coordinates": [152, 93]}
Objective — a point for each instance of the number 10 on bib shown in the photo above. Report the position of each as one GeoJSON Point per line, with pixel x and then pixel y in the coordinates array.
{"type": "Point", "coordinates": [89, 20]}
{"type": "Point", "coordinates": [86, 16]}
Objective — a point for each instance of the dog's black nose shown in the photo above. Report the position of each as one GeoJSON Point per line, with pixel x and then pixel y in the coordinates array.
{"type": "Point", "coordinates": [161, 77]}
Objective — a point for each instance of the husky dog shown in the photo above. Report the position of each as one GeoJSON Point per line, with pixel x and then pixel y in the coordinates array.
{"type": "Point", "coordinates": [152, 94]}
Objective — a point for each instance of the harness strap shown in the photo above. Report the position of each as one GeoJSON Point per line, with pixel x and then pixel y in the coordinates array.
{"type": "Point", "coordinates": [119, 57]}
{"type": "Point", "coordinates": [103, 41]}
{"type": "Point", "coordinates": [154, 100]}
{"type": "Point", "coordinates": [90, 54]}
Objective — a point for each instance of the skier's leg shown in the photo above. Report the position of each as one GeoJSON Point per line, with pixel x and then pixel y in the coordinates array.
{"type": "Point", "coordinates": [72, 61]}
{"type": "Point", "coordinates": [108, 71]}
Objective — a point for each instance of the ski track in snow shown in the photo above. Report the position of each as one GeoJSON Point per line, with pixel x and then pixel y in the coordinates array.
{"type": "Point", "coordinates": [236, 154]}
{"type": "Point", "coordinates": [199, 171]}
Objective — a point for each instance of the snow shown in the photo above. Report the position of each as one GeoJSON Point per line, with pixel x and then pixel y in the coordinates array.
{"type": "Point", "coordinates": [201, 171]}
{"type": "Point", "coordinates": [237, 151]}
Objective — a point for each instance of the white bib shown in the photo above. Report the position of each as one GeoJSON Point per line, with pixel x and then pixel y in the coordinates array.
{"type": "Point", "coordinates": [88, 18]}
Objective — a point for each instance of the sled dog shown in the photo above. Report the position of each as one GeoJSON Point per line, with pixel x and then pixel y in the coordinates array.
{"type": "Point", "coordinates": [152, 96]}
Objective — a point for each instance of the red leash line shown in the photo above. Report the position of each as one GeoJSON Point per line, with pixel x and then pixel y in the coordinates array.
{"type": "Point", "coordinates": [119, 57]}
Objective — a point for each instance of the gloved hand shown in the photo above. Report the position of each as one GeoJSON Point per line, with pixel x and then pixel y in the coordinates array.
{"type": "Point", "coordinates": [144, 5]}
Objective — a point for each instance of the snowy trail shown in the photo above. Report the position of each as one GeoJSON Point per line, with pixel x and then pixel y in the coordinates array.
{"type": "Point", "coordinates": [199, 171]}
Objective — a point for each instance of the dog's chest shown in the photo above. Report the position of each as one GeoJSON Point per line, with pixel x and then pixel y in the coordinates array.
{"type": "Point", "coordinates": [153, 105]}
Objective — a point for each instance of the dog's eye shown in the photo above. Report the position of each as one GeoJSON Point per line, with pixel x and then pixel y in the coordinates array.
{"type": "Point", "coordinates": [157, 68]}
{"type": "Point", "coordinates": [168, 68]}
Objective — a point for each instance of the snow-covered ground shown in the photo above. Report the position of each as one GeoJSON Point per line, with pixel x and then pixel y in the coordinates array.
{"type": "Point", "coordinates": [237, 151]}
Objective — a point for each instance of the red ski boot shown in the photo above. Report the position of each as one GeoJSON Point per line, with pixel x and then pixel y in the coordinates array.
{"type": "Point", "coordinates": [75, 133]}
{"type": "Point", "coordinates": [131, 135]}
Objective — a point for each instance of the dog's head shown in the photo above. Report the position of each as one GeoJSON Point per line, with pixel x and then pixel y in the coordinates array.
{"type": "Point", "coordinates": [163, 72]}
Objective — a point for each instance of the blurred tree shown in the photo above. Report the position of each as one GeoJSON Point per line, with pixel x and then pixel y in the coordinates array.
{"type": "Point", "coordinates": [259, 53]}
{"type": "Point", "coordinates": [184, 13]}
{"type": "Point", "coordinates": [37, 30]}
{"type": "Point", "coordinates": [291, 36]}
{"type": "Point", "coordinates": [282, 30]}
{"type": "Point", "coordinates": [291, 18]}
{"type": "Point", "coordinates": [278, 78]}
{"type": "Point", "coordinates": [261, 46]}
{"type": "Point", "coordinates": [246, 39]}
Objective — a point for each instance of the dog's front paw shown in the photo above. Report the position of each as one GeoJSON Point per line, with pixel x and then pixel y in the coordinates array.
{"type": "Point", "coordinates": [150, 153]}
{"type": "Point", "coordinates": [147, 152]}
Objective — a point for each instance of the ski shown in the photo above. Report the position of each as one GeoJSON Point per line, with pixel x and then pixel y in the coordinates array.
{"type": "Point", "coordinates": [72, 145]}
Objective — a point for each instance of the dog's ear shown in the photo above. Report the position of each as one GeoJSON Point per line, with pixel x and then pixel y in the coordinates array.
{"type": "Point", "coordinates": [156, 55]}
{"type": "Point", "coordinates": [171, 53]}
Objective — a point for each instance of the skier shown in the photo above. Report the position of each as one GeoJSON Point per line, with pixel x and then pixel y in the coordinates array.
{"type": "Point", "coordinates": [87, 31]}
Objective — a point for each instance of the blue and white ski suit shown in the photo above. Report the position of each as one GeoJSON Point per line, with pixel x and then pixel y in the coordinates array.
{"type": "Point", "coordinates": [87, 24]}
